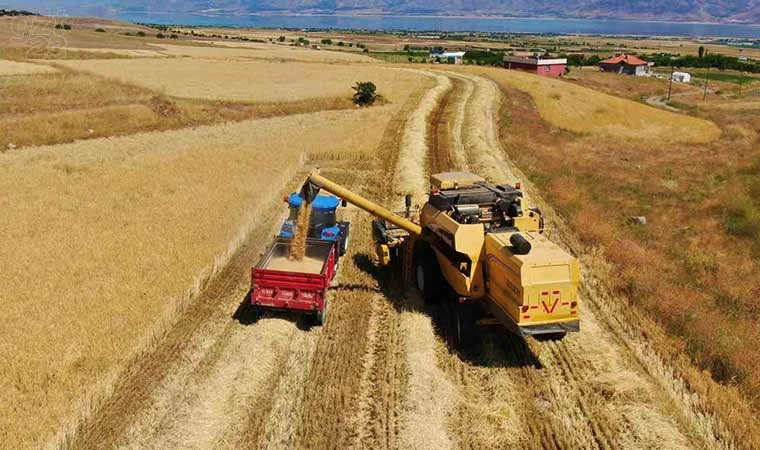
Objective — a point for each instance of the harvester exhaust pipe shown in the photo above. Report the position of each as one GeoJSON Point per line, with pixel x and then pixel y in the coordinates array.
{"type": "Point", "coordinates": [520, 245]}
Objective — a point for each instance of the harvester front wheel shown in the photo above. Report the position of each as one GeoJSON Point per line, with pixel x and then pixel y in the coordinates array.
{"type": "Point", "coordinates": [428, 277]}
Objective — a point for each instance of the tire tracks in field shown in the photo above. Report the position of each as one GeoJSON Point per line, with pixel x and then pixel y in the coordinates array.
{"type": "Point", "coordinates": [361, 355]}
{"type": "Point", "coordinates": [585, 392]}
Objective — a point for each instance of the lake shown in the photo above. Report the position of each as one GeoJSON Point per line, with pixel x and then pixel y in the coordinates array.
{"type": "Point", "coordinates": [489, 24]}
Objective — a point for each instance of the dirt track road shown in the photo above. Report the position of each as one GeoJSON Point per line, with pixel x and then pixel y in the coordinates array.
{"type": "Point", "coordinates": [379, 374]}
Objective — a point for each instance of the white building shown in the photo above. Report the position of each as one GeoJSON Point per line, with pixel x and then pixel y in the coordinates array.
{"type": "Point", "coordinates": [449, 57]}
{"type": "Point", "coordinates": [681, 77]}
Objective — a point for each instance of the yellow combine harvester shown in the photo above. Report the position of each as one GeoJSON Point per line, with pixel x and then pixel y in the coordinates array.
{"type": "Point", "coordinates": [476, 245]}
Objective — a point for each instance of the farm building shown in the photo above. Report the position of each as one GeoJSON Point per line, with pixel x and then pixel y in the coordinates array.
{"type": "Point", "coordinates": [681, 77]}
{"type": "Point", "coordinates": [548, 67]}
{"type": "Point", "coordinates": [448, 57]}
{"type": "Point", "coordinates": [625, 64]}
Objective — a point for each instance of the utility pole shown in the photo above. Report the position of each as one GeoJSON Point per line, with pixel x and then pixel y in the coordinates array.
{"type": "Point", "coordinates": [707, 80]}
{"type": "Point", "coordinates": [670, 85]}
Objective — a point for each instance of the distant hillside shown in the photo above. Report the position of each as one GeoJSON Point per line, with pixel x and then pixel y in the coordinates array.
{"type": "Point", "coordinates": [747, 11]}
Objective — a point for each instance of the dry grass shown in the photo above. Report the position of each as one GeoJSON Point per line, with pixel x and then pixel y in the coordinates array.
{"type": "Point", "coordinates": [625, 86]}
{"type": "Point", "coordinates": [101, 206]}
{"type": "Point", "coordinates": [22, 68]}
{"type": "Point", "coordinates": [247, 81]}
{"type": "Point", "coordinates": [589, 112]}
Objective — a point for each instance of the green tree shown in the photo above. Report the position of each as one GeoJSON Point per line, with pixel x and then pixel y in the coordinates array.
{"type": "Point", "coordinates": [326, 41]}
{"type": "Point", "coordinates": [281, 39]}
{"type": "Point", "coordinates": [701, 51]}
{"type": "Point", "coordinates": [365, 93]}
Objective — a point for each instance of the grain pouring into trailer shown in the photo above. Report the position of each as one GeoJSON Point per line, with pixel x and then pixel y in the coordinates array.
{"type": "Point", "coordinates": [295, 272]}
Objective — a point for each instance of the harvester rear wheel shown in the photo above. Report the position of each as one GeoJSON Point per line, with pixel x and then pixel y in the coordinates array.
{"type": "Point", "coordinates": [464, 324]}
{"type": "Point", "coordinates": [549, 337]}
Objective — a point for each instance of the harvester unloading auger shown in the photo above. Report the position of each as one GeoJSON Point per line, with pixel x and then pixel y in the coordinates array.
{"type": "Point", "coordinates": [479, 248]}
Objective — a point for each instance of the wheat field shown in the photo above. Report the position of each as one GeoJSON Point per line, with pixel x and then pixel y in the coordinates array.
{"type": "Point", "coordinates": [247, 81]}
{"type": "Point", "coordinates": [589, 112]}
{"type": "Point", "coordinates": [101, 236]}
{"type": "Point", "coordinates": [22, 68]}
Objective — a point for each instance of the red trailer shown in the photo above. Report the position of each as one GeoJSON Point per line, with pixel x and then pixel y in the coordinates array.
{"type": "Point", "coordinates": [279, 283]}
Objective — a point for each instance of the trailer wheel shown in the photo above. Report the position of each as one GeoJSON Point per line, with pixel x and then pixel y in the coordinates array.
{"type": "Point", "coordinates": [321, 316]}
{"type": "Point", "coordinates": [428, 277]}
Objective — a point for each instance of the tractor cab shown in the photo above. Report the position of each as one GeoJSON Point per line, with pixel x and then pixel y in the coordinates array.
{"type": "Point", "coordinates": [323, 223]}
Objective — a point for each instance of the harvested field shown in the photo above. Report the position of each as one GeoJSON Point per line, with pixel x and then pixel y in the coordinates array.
{"type": "Point", "coordinates": [413, 152]}
{"type": "Point", "coordinates": [529, 139]}
{"type": "Point", "coordinates": [141, 339]}
{"type": "Point", "coordinates": [82, 35]}
{"type": "Point", "coordinates": [66, 106]}
{"type": "Point", "coordinates": [247, 81]}
{"type": "Point", "coordinates": [128, 255]}
{"type": "Point", "coordinates": [588, 112]}
{"type": "Point", "coordinates": [22, 68]}
{"type": "Point", "coordinates": [506, 386]}
{"type": "Point", "coordinates": [255, 50]}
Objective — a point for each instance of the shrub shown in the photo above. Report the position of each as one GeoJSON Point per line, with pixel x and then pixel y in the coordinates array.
{"type": "Point", "coordinates": [341, 44]}
{"type": "Point", "coordinates": [100, 30]}
{"type": "Point", "coordinates": [174, 36]}
{"type": "Point", "coordinates": [140, 34]}
{"type": "Point", "coordinates": [58, 26]}
{"type": "Point", "coordinates": [326, 41]}
{"type": "Point", "coordinates": [66, 26]}
{"type": "Point", "coordinates": [281, 39]}
{"type": "Point", "coordinates": [160, 36]}
{"type": "Point", "coordinates": [366, 93]}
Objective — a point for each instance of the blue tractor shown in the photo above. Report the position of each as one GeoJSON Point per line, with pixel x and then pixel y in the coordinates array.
{"type": "Point", "coordinates": [323, 224]}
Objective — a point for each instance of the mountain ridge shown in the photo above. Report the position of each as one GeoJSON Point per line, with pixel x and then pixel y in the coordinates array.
{"type": "Point", "coordinates": [718, 11]}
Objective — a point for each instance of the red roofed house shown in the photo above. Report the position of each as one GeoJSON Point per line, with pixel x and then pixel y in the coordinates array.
{"type": "Point", "coordinates": [547, 67]}
{"type": "Point", "coordinates": [627, 64]}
